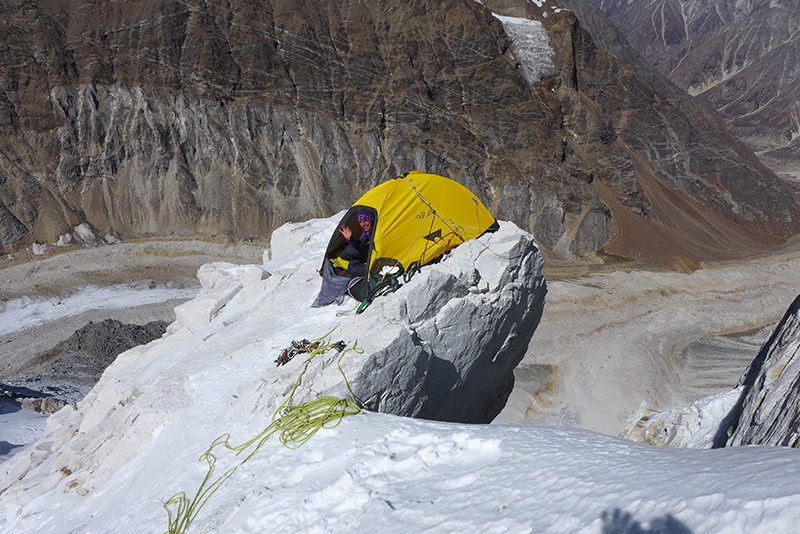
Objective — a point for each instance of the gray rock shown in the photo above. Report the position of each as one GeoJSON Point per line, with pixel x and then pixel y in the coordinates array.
{"type": "Point", "coordinates": [768, 412]}
{"type": "Point", "coordinates": [69, 370]}
{"type": "Point", "coordinates": [42, 404]}
{"type": "Point", "coordinates": [464, 326]}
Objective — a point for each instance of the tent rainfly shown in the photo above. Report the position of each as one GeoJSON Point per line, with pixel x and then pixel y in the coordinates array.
{"type": "Point", "coordinates": [418, 217]}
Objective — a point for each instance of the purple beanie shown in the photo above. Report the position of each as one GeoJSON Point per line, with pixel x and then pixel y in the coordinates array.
{"type": "Point", "coordinates": [365, 214]}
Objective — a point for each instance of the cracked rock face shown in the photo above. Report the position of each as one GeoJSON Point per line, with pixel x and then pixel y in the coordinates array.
{"type": "Point", "coordinates": [768, 412]}
{"type": "Point", "coordinates": [166, 118]}
{"type": "Point", "coordinates": [739, 56]}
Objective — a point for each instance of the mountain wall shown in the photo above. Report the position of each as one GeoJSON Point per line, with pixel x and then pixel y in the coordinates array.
{"type": "Point", "coordinates": [740, 56]}
{"type": "Point", "coordinates": [166, 118]}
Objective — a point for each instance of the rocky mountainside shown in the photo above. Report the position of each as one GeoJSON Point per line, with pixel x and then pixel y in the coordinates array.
{"type": "Point", "coordinates": [168, 118]}
{"type": "Point", "coordinates": [741, 56]}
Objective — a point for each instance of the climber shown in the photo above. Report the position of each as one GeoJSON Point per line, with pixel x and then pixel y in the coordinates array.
{"type": "Point", "coordinates": [357, 250]}
{"type": "Point", "coordinates": [403, 224]}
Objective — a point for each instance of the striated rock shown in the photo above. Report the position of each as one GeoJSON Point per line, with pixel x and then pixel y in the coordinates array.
{"type": "Point", "coordinates": [161, 118]}
{"type": "Point", "coordinates": [638, 115]}
{"type": "Point", "coordinates": [768, 411]}
{"type": "Point", "coordinates": [741, 57]}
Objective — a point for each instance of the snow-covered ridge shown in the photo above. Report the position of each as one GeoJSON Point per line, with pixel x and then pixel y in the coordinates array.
{"type": "Point", "coordinates": [110, 464]}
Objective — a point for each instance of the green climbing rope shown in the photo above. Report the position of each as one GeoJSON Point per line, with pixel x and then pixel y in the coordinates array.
{"type": "Point", "coordinates": [294, 424]}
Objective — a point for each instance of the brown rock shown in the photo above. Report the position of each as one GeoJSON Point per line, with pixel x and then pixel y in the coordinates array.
{"type": "Point", "coordinates": [160, 117]}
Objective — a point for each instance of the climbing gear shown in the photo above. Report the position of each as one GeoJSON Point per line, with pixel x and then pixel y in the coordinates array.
{"type": "Point", "coordinates": [294, 425]}
{"type": "Point", "coordinates": [389, 285]}
{"type": "Point", "coordinates": [305, 346]}
{"type": "Point", "coordinates": [388, 282]}
{"type": "Point", "coordinates": [413, 269]}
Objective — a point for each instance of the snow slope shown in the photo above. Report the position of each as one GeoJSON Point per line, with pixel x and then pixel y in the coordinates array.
{"type": "Point", "coordinates": [531, 47]}
{"type": "Point", "coordinates": [18, 428]}
{"type": "Point", "coordinates": [380, 473]}
{"type": "Point", "coordinates": [371, 473]}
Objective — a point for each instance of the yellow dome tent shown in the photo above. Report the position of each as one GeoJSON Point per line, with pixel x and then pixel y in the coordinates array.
{"type": "Point", "coordinates": [418, 217]}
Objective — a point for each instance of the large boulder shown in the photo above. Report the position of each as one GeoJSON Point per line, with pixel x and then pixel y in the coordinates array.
{"type": "Point", "coordinates": [462, 327]}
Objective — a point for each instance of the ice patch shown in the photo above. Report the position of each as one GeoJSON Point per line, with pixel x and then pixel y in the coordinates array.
{"type": "Point", "coordinates": [531, 45]}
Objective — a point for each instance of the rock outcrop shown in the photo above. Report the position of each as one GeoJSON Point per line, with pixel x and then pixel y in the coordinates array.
{"type": "Point", "coordinates": [65, 373]}
{"type": "Point", "coordinates": [443, 346]}
{"type": "Point", "coordinates": [168, 118]}
{"type": "Point", "coordinates": [768, 412]}
{"type": "Point", "coordinates": [463, 326]}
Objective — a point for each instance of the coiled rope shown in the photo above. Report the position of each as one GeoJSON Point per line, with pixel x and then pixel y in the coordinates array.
{"type": "Point", "coordinates": [294, 425]}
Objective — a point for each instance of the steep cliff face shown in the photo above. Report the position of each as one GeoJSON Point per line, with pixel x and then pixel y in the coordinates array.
{"type": "Point", "coordinates": [162, 117]}
{"type": "Point", "coordinates": [676, 183]}
{"type": "Point", "coordinates": [169, 117]}
{"type": "Point", "coordinates": [741, 56]}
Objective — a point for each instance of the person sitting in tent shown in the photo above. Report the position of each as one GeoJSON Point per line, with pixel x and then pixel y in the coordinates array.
{"type": "Point", "coordinates": [357, 250]}
{"type": "Point", "coordinates": [347, 258]}
{"type": "Point", "coordinates": [403, 224]}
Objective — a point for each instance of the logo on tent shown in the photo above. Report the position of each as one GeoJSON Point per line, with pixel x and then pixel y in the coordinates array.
{"type": "Point", "coordinates": [434, 236]}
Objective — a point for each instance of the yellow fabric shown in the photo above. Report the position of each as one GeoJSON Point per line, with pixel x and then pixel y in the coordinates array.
{"type": "Point", "coordinates": [340, 262]}
{"type": "Point", "coordinates": [420, 204]}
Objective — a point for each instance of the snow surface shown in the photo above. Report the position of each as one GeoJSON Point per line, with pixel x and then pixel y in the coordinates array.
{"type": "Point", "coordinates": [23, 313]}
{"type": "Point", "coordinates": [21, 427]}
{"type": "Point", "coordinates": [531, 44]}
{"type": "Point", "coordinates": [18, 428]}
{"type": "Point", "coordinates": [373, 472]}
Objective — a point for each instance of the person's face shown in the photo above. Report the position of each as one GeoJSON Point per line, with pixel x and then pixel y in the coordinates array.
{"type": "Point", "coordinates": [366, 225]}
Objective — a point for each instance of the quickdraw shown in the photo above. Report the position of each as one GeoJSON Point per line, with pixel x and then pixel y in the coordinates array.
{"type": "Point", "coordinates": [305, 346]}
{"type": "Point", "coordinates": [413, 269]}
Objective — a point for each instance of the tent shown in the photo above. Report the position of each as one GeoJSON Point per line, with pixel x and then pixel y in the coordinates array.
{"type": "Point", "coordinates": [418, 217]}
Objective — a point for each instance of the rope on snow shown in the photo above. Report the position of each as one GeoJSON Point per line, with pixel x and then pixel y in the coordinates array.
{"type": "Point", "coordinates": [294, 424]}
